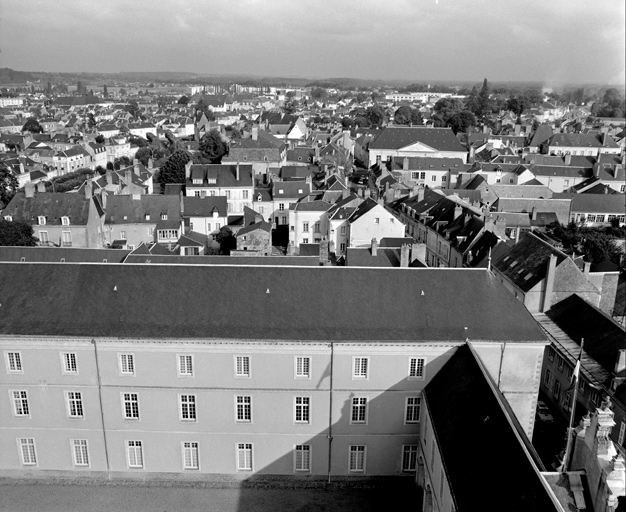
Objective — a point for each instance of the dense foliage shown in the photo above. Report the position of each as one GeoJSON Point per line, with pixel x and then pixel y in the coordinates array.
{"type": "Point", "coordinates": [16, 233]}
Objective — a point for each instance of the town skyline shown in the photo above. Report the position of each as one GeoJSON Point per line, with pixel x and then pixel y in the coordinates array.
{"type": "Point", "coordinates": [552, 43]}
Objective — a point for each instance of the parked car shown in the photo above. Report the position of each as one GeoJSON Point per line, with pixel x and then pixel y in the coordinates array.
{"type": "Point", "coordinates": [543, 413]}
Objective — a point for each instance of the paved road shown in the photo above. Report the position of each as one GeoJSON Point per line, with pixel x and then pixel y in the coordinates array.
{"type": "Point", "coordinates": [38, 497]}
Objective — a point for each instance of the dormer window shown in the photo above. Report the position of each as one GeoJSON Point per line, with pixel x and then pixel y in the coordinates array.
{"type": "Point", "coordinates": [212, 181]}
{"type": "Point", "coordinates": [259, 198]}
{"type": "Point", "coordinates": [147, 216]}
{"type": "Point", "coordinates": [164, 216]}
{"type": "Point", "coordinates": [65, 221]}
{"type": "Point", "coordinates": [8, 218]}
{"type": "Point", "coordinates": [197, 181]}
{"type": "Point", "coordinates": [41, 220]}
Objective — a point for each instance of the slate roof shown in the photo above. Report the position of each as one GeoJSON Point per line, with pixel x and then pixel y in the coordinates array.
{"type": "Point", "coordinates": [427, 304]}
{"type": "Point", "coordinates": [541, 135]}
{"type": "Point", "coordinates": [56, 254]}
{"type": "Point", "coordinates": [441, 139]}
{"type": "Point", "coordinates": [575, 140]}
{"type": "Point", "coordinates": [363, 257]}
{"type": "Point", "coordinates": [604, 337]}
{"type": "Point", "coordinates": [526, 264]}
{"type": "Point", "coordinates": [124, 209]}
{"type": "Point", "coordinates": [599, 203]}
{"type": "Point", "coordinates": [312, 206]}
{"type": "Point", "coordinates": [395, 242]}
{"type": "Point", "coordinates": [290, 189]}
{"type": "Point", "coordinates": [52, 205]}
{"type": "Point", "coordinates": [204, 206]}
{"type": "Point", "coordinates": [224, 175]}
{"type": "Point", "coordinates": [558, 205]}
{"type": "Point", "coordinates": [263, 226]}
{"type": "Point", "coordinates": [522, 191]}
{"type": "Point", "coordinates": [427, 164]}
{"type": "Point", "coordinates": [473, 435]}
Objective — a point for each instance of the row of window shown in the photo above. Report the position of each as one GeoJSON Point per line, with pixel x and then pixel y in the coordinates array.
{"type": "Point", "coordinates": [555, 386]}
{"type": "Point", "coordinates": [242, 365]}
{"type": "Point", "coordinates": [188, 407]}
{"type": "Point", "coordinates": [42, 220]}
{"type": "Point", "coordinates": [421, 175]}
{"type": "Point", "coordinates": [190, 455]}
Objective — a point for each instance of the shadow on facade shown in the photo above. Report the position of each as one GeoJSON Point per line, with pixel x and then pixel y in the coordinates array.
{"type": "Point", "coordinates": [336, 479]}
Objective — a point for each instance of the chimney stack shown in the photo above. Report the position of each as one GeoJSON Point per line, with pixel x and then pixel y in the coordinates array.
{"type": "Point", "coordinates": [458, 211]}
{"type": "Point", "coordinates": [568, 159]}
{"type": "Point", "coordinates": [29, 189]}
{"type": "Point", "coordinates": [518, 129]}
{"type": "Point", "coordinates": [533, 214]}
{"type": "Point", "coordinates": [547, 300]}
{"type": "Point", "coordinates": [150, 163]}
{"type": "Point", "coordinates": [237, 171]}
{"type": "Point", "coordinates": [188, 169]}
{"type": "Point", "coordinates": [136, 168]}
{"type": "Point", "coordinates": [587, 268]}
{"type": "Point", "coordinates": [41, 187]}
{"type": "Point", "coordinates": [128, 175]}
{"type": "Point", "coordinates": [374, 247]}
{"type": "Point", "coordinates": [324, 252]}
{"type": "Point", "coordinates": [405, 163]}
{"type": "Point", "coordinates": [404, 255]}
{"type": "Point", "coordinates": [88, 189]}
{"type": "Point", "coordinates": [255, 133]}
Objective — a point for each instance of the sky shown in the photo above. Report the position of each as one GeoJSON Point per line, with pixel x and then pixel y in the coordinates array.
{"type": "Point", "coordinates": [552, 41]}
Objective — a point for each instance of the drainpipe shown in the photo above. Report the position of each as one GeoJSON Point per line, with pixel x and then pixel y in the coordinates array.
{"type": "Point", "coordinates": [104, 433]}
{"type": "Point", "coordinates": [330, 411]}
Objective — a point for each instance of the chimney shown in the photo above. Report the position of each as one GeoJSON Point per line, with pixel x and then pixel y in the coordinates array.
{"type": "Point", "coordinates": [587, 268]}
{"type": "Point", "coordinates": [109, 177]}
{"type": "Point", "coordinates": [568, 159]}
{"type": "Point", "coordinates": [533, 214]}
{"type": "Point", "coordinates": [458, 211]}
{"type": "Point", "coordinates": [404, 255]}
{"type": "Point", "coordinates": [237, 171]}
{"type": "Point", "coordinates": [29, 189]}
{"type": "Point", "coordinates": [128, 175]}
{"type": "Point", "coordinates": [518, 129]}
{"type": "Point", "coordinates": [135, 161]}
{"type": "Point", "coordinates": [405, 163]}
{"type": "Point", "coordinates": [324, 252]}
{"type": "Point", "coordinates": [150, 163]}
{"type": "Point", "coordinates": [547, 299]}
{"type": "Point", "coordinates": [255, 133]}
{"type": "Point", "coordinates": [345, 193]}
{"type": "Point", "coordinates": [317, 152]}
{"type": "Point", "coordinates": [374, 247]}
{"type": "Point", "coordinates": [88, 189]}
{"type": "Point", "coordinates": [136, 168]}
{"type": "Point", "coordinates": [41, 187]}
{"type": "Point", "coordinates": [620, 362]}
{"type": "Point", "coordinates": [188, 169]}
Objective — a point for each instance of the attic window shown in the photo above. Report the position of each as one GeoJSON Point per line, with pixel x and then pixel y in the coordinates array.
{"type": "Point", "coordinates": [280, 191]}
{"type": "Point", "coordinates": [8, 218]}
{"type": "Point", "coordinates": [197, 181]}
{"type": "Point", "coordinates": [528, 276]}
{"type": "Point", "coordinates": [147, 216]}
{"type": "Point", "coordinates": [41, 220]}
{"type": "Point", "coordinates": [299, 191]}
{"type": "Point", "coordinates": [513, 263]}
{"type": "Point", "coordinates": [125, 217]}
{"type": "Point", "coordinates": [164, 216]}
{"type": "Point", "coordinates": [212, 180]}
{"type": "Point", "coordinates": [299, 158]}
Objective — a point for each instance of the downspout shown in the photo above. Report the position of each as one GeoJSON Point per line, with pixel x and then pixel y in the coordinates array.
{"type": "Point", "coordinates": [104, 434]}
{"type": "Point", "coordinates": [330, 411]}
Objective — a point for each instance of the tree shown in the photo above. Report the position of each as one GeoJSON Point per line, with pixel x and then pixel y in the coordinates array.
{"type": "Point", "coordinates": [123, 92]}
{"type": "Point", "coordinates": [81, 88]}
{"type": "Point", "coordinates": [121, 162]}
{"type": "Point", "coordinates": [290, 94]}
{"type": "Point", "coordinates": [361, 97]}
{"type": "Point", "coordinates": [16, 233]}
{"type": "Point", "coordinates": [517, 104]}
{"type": "Point", "coordinates": [143, 155]}
{"type": "Point", "coordinates": [375, 115]}
{"type": "Point", "coordinates": [183, 100]}
{"type": "Point", "coordinates": [8, 185]}
{"type": "Point", "coordinates": [132, 107]}
{"type": "Point", "coordinates": [105, 91]}
{"type": "Point", "coordinates": [461, 121]}
{"type": "Point", "coordinates": [416, 117]}
{"type": "Point", "coordinates": [319, 93]}
{"type": "Point", "coordinates": [346, 123]}
{"type": "Point", "coordinates": [226, 239]}
{"type": "Point", "coordinates": [484, 101]}
{"type": "Point", "coordinates": [173, 170]}
{"type": "Point", "coordinates": [361, 122]}
{"type": "Point", "coordinates": [32, 125]}
{"type": "Point", "coordinates": [212, 146]}
{"type": "Point", "coordinates": [100, 139]}
{"type": "Point", "coordinates": [403, 115]}
{"type": "Point", "coordinates": [612, 98]}
{"type": "Point", "coordinates": [235, 132]}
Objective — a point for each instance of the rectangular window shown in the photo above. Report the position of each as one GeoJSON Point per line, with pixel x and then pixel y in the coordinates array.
{"type": "Point", "coordinates": [75, 404]}
{"type": "Point", "coordinates": [69, 363]}
{"type": "Point", "coordinates": [551, 353]}
{"type": "Point", "coordinates": [316, 227]}
{"type": "Point", "coordinates": [245, 194]}
{"type": "Point", "coordinates": [423, 175]}
{"type": "Point", "coordinates": [131, 405]}
{"type": "Point", "coordinates": [14, 362]}
{"type": "Point", "coordinates": [559, 362]}
{"type": "Point", "coordinates": [414, 175]}
{"type": "Point", "coordinates": [566, 401]}
{"type": "Point", "coordinates": [377, 220]}
{"type": "Point", "coordinates": [185, 365]}
{"type": "Point", "coordinates": [303, 367]}
{"type": "Point", "coordinates": [191, 460]}
{"type": "Point", "coordinates": [360, 367]}
{"type": "Point", "coordinates": [43, 237]}
{"type": "Point", "coordinates": [67, 238]}
{"type": "Point", "coordinates": [127, 364]}
{"type": "Point", "coordinates": [556, 389]}
{"type": "Point", "coordinates": [416, 367]}
{"type": "Point", "coordinates": [244, 457]}
{"type": "Point", "coordinates": [413, 409]}
{"type": "Point", "coordinates": [357, 459]}
{"type": "Point", "coordinates": [243, 410]}
{"type": "Point", "coordinates": [409, 457]}
{"type": "Point", "coordinates": [188, 407]}
{"type": "Point", "coordinates": [302, 409]}
{"type": "Point", "coordinates": [80, 452]}
{"type": "Point", "coordinates": [242, 366]}
{"type": "Point", "coordinates": [581, 386]}
{"type": "Point", "coordinates": [433, 178]}
{"type": "Point", "coordinates": [20, 403]}
{"type": "Point", "coordinates": [546, 378]}
{"type": "Point", "coordinates": [570, 372]}
{"type": "Point", "coordinates": [305, 227]}
{"type": "Point", "coordinates": [594, 397]}
{"type": "Point", "coordinates": [622, 433]}
{"type": "Point", "coordinates": [359, 410]}
{"type": "Point", "coordinates": [281, 207]}
{"type": "Point", "coordinates": [135, 454]}
{"type": "Point", "coordinates": [302, 457]}
{"type": "Point", "coordinates": [342, 230]}
{"type": "Point", "coordinates": [305, 240]}
{"type": "Point", "coordinates": [27, 450]}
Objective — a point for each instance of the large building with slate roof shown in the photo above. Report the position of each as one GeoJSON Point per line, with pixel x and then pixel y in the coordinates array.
{"type": "Point", "coordinates": [152, 371]}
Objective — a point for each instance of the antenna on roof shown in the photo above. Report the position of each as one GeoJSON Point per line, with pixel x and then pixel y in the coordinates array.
{"type": "Point", "coordinates": [489, 261]}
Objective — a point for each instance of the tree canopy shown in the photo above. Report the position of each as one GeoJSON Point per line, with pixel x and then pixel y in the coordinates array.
{"type": "Point", "coordinates": [212, 146]}
{"type": "Point", "coordinates": [173, 170]}
{"type": "Point", "coordinates": [226, 239]}
{"type": "Point", "coordinates": [183, 100]}
{"type": "Point", "coordinates": [595, 244]}
{"type": "Point", "coordinates": [32, 125]}
{"type": "Point", "coordinates": [406, 115]}
{"type": "Point", "coordinates": [8, 185]}
{"type": "Point", "coordinates": [17, 233]}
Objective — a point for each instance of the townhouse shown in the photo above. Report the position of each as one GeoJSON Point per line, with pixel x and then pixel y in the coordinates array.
{"type": "Point", "coordinates": [580, 144]}
{"type": "Point", "coordinates": [235, 182]}
{"type": "Point", "coordinates": [71, 160]}
{"type": "Point", "coordinates": [415, 142]}
{"type": "Point", "coordinates": [262, 151]}
{"type": "Point", "coordinates": [433, 172]}
{"type": "Point", "coordinates": [205, 215]}
{"type": "Point", "coordinates": [308, 222]}
{"type": "Point", "coordinates": [274, 203]}
{"type": "Point", "coordinates": [189, 388]}
{"type": "Point", "coordinates": [598, 210]}
{"type": "Point", "coordinates": [58, 219]}
{"type": "Point", "coordinates": [369, 220]}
